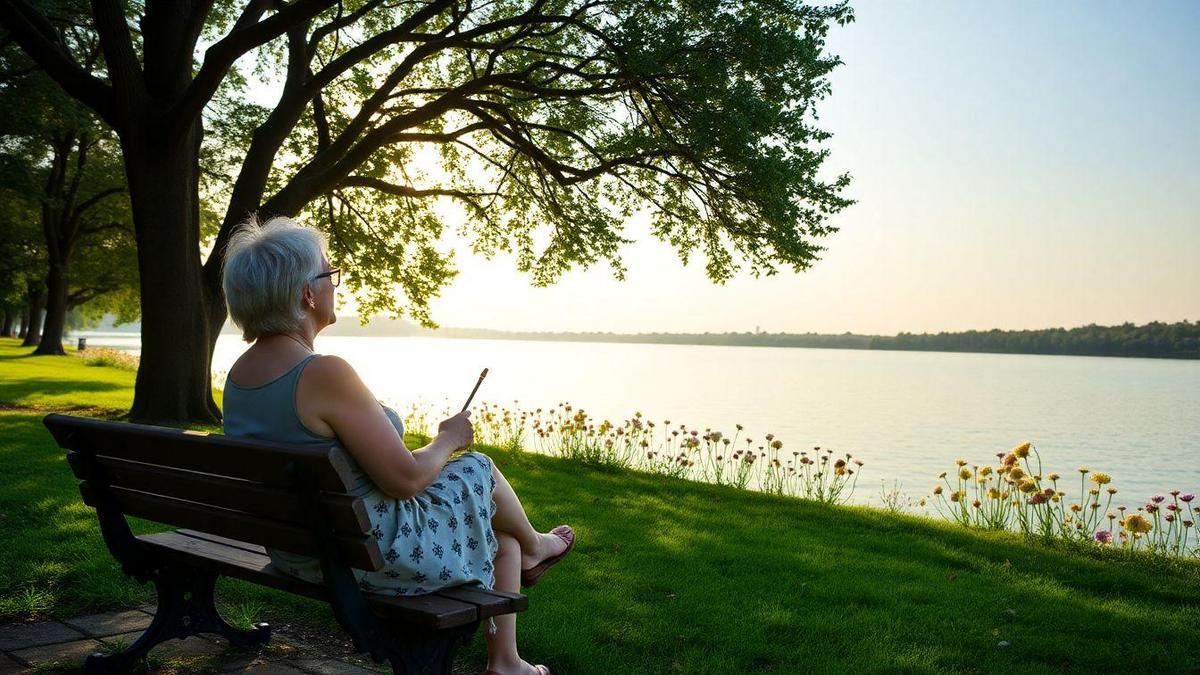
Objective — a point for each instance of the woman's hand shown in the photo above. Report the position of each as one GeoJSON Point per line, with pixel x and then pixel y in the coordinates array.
{"type": "Point", "coordinates": [457, 431]}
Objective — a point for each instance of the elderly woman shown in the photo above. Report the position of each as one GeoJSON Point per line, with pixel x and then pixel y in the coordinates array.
{"type": "Point", "coordinates": [440, 521]}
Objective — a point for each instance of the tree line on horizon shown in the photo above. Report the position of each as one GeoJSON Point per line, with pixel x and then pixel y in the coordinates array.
{"type": "Point", "coordinates": [1179, 340]}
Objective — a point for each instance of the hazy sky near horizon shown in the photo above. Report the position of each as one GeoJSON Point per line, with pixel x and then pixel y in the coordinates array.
{"type": "Point", "coordinates": [1016, 165]}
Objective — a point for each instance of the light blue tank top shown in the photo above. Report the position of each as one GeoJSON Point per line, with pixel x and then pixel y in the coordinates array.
{"type": "Point", "coordinates": [268, 412]}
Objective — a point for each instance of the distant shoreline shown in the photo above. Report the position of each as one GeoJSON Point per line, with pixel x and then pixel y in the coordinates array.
{"type": "Point", "coordinates": [1158, 340]}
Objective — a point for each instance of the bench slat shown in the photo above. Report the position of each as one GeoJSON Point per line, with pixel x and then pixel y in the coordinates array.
{"type": "Point", "coordinates": [257, 461]}
{"type": "Point", "coordinates": [361, 552]}
{"type": "Point", "coordinates": [346, 514]}
{"type": "Point", "coordinates": [489, 602]}
{"type": "Point", "coordinates": [432, 611]}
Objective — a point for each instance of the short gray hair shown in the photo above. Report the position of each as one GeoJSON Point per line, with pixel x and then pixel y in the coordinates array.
{"type": "Point", "coordinates": [266, 269]}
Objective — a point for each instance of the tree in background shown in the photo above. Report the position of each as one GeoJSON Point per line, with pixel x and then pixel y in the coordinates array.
{"type": "Point", "coordinates": [22, 264]}
{"type": "Point", "coordinates": [55, 155]}
{"type": "Point", "coordinates": [549, 122]}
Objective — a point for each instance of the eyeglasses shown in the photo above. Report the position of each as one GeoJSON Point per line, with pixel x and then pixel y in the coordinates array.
{"type": "Point", "coordinates": [335, 276]}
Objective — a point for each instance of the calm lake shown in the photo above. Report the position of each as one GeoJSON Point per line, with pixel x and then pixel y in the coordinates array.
{"type": "Point", "coordinates": [908, 415]}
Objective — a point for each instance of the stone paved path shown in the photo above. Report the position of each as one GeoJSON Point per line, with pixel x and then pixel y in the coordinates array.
{"type": "Point", "coordinates": [61, 646]}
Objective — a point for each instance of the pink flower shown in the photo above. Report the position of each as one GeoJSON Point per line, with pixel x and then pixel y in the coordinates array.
{"type": "Point", "coordinates": [1151, 508]}
{"type": "Point", "coordinates": [1157, 499]}
{"type": "Point", "coordinates": [1187, 497]}
{"type": "Point", "coordinates": [1103, 536]}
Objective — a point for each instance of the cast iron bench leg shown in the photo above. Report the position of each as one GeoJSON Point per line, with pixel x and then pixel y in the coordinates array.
{"type": "Point", "coordinates": [185, 607]}
{"type": "Point", "coordinates": [430, 651]}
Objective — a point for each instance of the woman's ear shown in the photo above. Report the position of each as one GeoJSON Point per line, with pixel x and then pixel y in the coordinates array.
{"type": "Point", "coordinates": [309, 298]}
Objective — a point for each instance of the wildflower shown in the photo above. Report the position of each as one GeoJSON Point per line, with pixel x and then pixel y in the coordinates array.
{"type": "Point", "coordinates": [1010, 459]}
{"type": "Point", "coordinates": [1136, 524]}
{"type": "Point", "coordinates": [964, 474]}
{"type": "Point", "coordinates": [937, 489]}
{"type": "Point", "coordinates": [1037, 498]}
{"type": "Point", "coordinates": [1094, 492]}
{"type": "Point", "coordinates": [1022, 450]}
{"type": "Point", "coordinates": [993, 493]}
{"type": "Point", "coordinates": [1111, 491]}
{"type": "Point", "coordinates": [1170, 517]}
{"type": "Point", "coordinates": [1076, 508]}
{"type": "Point", "coordinates": [985, 471]}
{"type": "Point", "coordinates": [777, 444]}
{"type": "Point", "coordinates": [770, 437]}
{"type": "Point", "coordinates": [1187, 523]}
{"type": "Point", "coordinates": [976, 503]}
{"type": "Point", "coordinates": [1083, 469]}
{"type": "Point", "coordinates": [942, 474]}
{"type": "Point", "coordinates": [1157, 499]}
{"type": "Point", "coordinates": [1103, 536]}
{"type": "Point", "coordinates": [1028, 485]}
{"type": "Point", "coordinates": [1187, 497]}
{"type": "Point", "coordinates": [960, 462]}
{"type": "Point", "coordinates": [1054, 476]}
{"type": "Point", "coordinates": [1016, 474]}
{"type": "Point", "coordinates": [1174, 493]}
{"type": "Point", "coordinates": [1101, 478]}
{"type": "Point", "coordinates": [958, 495]}
{"type": "Point", "coordinates": [1172, 507]}
{"type": "Point", "coordinates": [1152, 508]}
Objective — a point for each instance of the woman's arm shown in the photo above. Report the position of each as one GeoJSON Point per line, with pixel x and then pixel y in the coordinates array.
{"type": "Point", "coordinates": [357, 419]}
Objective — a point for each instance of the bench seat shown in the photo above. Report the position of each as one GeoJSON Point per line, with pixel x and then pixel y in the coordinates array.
{"type": "Point", "coordinates": [446, 608]}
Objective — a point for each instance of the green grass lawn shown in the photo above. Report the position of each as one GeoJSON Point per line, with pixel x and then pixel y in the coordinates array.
{"type": "Point", "coordinates": [669, 575]}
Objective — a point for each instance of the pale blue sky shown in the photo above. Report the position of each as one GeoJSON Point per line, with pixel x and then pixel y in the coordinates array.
{"type": "Point", "coordinates": [1016, 165]}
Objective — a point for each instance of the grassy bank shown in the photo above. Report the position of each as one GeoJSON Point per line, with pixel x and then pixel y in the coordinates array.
{"type": "Point", "coordinates": [669, 575]}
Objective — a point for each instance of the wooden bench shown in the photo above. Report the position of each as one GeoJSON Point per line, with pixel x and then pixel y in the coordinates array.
{"type": "Point", "coordinates": [234, 497]}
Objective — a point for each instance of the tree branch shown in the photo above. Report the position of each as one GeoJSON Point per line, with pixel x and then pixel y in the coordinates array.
{"type": "Point", "coordinates": [406, 190]}
{"type": "Point", "coordinates": [245, 36]}
{"type": "Point", "coordinates": [34, 33]}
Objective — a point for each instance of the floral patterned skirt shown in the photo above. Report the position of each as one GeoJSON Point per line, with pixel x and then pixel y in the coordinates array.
{"type": "Point", "coordinates": [440, 537]}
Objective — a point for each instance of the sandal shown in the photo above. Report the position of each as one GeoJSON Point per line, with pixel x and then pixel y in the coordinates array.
{"type": "Point", "coordinates": [530, 576]}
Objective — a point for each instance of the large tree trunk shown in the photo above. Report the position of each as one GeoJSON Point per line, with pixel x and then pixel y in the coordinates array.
{"type": "Point", "coordinates": [173, 380]}
{"type": "Point", "coordinates": [33, 330]}
{"type": "Point", "coordinates": [24, 327]}
{"type": "Point", "coordinates": [9, 318]}
{"type": "Point", "coordinates": [56, 310]}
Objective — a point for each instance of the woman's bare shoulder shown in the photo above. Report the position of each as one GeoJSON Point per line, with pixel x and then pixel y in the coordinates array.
{"type": "Point", "coordinates": [333, 371]}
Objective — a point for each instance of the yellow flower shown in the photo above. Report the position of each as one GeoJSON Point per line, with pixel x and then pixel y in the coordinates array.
{"type": "Point", "coordinates": [1136, 524]}
{"type": "Point", "coordinates": [985, 471]}
{"type": "Point", "coordinates": [1094, 491]}
{"type": "Point", "coordinates": [1054, 476]}
{"type": "Point", "coordinates": [1016, 473]}
{"type": "Point", "coordinates": [964, 474]}
{"type": "Point", "coordinates": [1028, 485]}
{"type": "Point", "coordinates": [1084, 469]}
{"type": "Point", "coordinates": [937, 489]}
{"type": "Point", "coordinates": [1022, 450]}
{"type": "Point", "coordinates": [1076, 508]}
{"type": "Point", "coordinates": [993, 493]}
{"type": "Point", "coordinates": [1100, 478]}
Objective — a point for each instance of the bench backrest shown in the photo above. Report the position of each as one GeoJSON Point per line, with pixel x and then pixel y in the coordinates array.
{"type": "Point", "coordinates": [242, 489]}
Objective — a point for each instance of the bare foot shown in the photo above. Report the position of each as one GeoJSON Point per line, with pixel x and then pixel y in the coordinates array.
{"type": "Point", "coordinates": [548, 545]}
